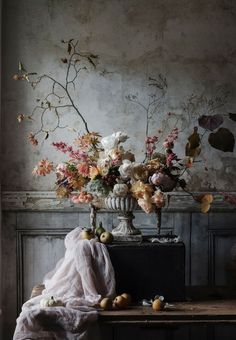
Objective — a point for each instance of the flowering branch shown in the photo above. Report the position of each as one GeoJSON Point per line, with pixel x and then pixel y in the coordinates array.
{"type": "Point", "coordinates": [59, 96]}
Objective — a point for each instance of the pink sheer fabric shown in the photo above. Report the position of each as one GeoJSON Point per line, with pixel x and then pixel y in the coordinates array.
{"type": "Point", "coordinates": [79, 280]}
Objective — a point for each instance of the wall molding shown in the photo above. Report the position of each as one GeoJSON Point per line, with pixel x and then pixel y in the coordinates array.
{"type": "Point", "coordinates": [47, 201]}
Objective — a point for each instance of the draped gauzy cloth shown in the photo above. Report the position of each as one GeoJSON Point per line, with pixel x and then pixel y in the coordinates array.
{"type": "Point", "coordinates": [79, 280]}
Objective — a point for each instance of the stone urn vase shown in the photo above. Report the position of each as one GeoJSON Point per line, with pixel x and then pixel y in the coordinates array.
{"type": "Point", "coordinates": [124, 206]}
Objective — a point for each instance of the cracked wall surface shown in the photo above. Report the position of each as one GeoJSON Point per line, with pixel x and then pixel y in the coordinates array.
{"type": "Point", "coordinates": [192, 43]}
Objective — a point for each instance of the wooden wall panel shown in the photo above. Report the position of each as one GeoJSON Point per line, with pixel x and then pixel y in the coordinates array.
{"type": "Point", "coordinates": [33, 236]}
{"type": "Point", "coordinates": [38, 254]}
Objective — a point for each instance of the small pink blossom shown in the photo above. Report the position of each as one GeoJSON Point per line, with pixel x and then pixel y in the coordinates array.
{"type": "Point", "coordinates": [170, 158]}
{"type": "Point", "coordinates": [43, 168]}
{"type": "Point", "coordinates": [82, 197]}
{"type": "Point", "coordinates": [60, 146]}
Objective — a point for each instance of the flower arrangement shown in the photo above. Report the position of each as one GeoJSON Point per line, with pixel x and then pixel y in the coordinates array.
{"type": "Point", "coordinates": [98, 167]}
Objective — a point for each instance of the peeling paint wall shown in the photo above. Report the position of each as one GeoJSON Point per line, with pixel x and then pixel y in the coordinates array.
{"type": "Point", "coordinates": [192, 43]}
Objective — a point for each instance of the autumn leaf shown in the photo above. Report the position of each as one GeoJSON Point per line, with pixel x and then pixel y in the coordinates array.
{"type": "Point", "coordinates": [192, 148]}
{"type": "Point", "coordinates": [232, 116]}
{"type": "Point", "coordinates": [210, 122]}
{"type": "Point", "coordinates": [69, 48]}
{"type": "Point", "coordinates": [222, 140]}
{"type": "Point", "coordinates": [205, 207]}
{"type": "Point", "coordinates": [91, 61]}
{"type": "Point", "coordinates": [21, 67]}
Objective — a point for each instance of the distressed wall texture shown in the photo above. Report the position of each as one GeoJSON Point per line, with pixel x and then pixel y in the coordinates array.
{"type": "Point", "coordinates": [192, 43]}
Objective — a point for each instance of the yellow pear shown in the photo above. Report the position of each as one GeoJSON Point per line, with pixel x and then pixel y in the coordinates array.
{"type": "Point", "coordinates": [120, 302]}
{"type": "Point", "coordinates": [127, 297]}
{"type": "Point", "coordinates": [106, 303]}
{"type": "Point", "coordinates": [158, 304]}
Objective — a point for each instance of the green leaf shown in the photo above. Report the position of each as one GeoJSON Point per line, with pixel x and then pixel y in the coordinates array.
{"type": "Point", "coordinates": [222, 140]}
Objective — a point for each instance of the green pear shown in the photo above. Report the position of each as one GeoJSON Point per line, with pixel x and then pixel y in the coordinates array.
{"type": "Point", "coordinates": [99, 230]}
{"type": "Point", "coordinates": [106, 237]}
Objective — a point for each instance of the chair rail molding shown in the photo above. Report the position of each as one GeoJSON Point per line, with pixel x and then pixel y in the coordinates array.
{"type": "Point", "coordinates": [47, 201]}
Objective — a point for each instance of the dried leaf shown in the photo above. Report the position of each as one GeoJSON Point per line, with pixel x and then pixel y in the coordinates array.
{"type": "Point", "coordinates": [21, 67]}
{"type": "Point", "coordinates": [69, 48]}
{"type": "Point", "coordinates": [232, 116]}
{"type": "Point", "coordinates": [64, 60]}
{"type": "Point", "coordinates": [194, 139]}
{"type": "Point", "coordinates": [193, 153]}
{"type": "Point", "coordinates": [210, 122]}
{"type": "Point", "coordinates": [20, 118]}
{"type": "Point", "coordinates": [205, 207]}
{"type": "Point", "coordinates": [91, 61]}
{"type": "Point", "coordinates": [222, 140]}
{"type": "Point", "coordinates": [208, 198]}
{"type": "Point", "coordinates": [46, 135]}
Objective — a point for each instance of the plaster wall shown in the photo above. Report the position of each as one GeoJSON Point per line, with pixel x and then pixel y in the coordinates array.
{"type": "Point", "coordinates": [192, 43]}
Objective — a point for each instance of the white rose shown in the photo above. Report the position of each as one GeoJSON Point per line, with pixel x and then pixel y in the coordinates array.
{"type": "Point", "coordinates": [112, 141]}
{"type": "Point", "coordinates": [126, 169]}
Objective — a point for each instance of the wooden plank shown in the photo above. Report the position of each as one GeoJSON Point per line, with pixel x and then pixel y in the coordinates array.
{"type": "Point", "coordinates": [9, 283]}
{"type": "Point", "coordinates": [222, 311]}
{"type": "Point", "coordinates": [199, 249]}
{"type": "Point", "coordinates": [182, 228]}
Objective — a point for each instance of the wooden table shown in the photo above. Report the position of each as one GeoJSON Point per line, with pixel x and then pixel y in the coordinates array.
{"type": "Point", "coordinates": [205, 319]}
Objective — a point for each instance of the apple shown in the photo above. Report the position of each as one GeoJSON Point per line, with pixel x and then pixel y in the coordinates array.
{"type": "Point", "coordinates": [106, 303]}
{"type": "Point", "coordinates": [158, 304]}
{"type": "Point", "coordinates": [106, 237]}
{"type": "Point", "coordinates": [86, 234]}
{"type": "Point", "coordinates": [120, 302]}
{"type": "Point", "coordinates": [127, 297]}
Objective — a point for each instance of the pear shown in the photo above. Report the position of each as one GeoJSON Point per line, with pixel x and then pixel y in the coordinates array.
{"type": "Point", "coordinates": [106, 303]}
{"type": "Point", "coordinates": [158, 304]}
{"type": "Point", "coordinates": [127, 297]}
{"type": "Point", "coordinates": [87, 234]}
{"type": "Point", "coordinates": [99, 230]}
{"type": "Point", "coordinates": [120, 302]}
{"type": "Point", "coordinates": [106, 237]}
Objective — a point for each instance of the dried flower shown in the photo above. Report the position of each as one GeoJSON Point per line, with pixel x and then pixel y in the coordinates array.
{"type": "Point", "coordinates": [20, 117]}
{"type": "Point", "coordinates": [43, 168]}
{"type": "Point", "coordinates": [32, 139]}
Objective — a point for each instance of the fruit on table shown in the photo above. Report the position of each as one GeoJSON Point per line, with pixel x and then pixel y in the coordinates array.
{"type": "Point", "coordinates": [120, 302]}
{"type": "Point", "coordinates": [158, 304]}
{"type": "Point", "coordinates": [87, 234]}
{"type": "Point", "coordinates": [99, 230]}
{"type": "Point", "coordinates": [127, 297]}
{"type": "Point", "coordinates": [106, 303]}
{"type": "Point", "coordinates": [106, 237]}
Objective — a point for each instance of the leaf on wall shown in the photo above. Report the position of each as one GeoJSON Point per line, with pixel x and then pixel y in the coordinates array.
{"type": "Point", "coordinates": [192, 148]}
{"type": "Point", "coordinates": [232, 116]}
{"type": "Point", "coordinates": [223, 140]}
{"type": "Point", "coordinates": [210, 122]}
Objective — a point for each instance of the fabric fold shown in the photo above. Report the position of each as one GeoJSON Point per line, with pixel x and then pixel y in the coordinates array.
{"type": "Point", "coordinates": [79, 280]}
